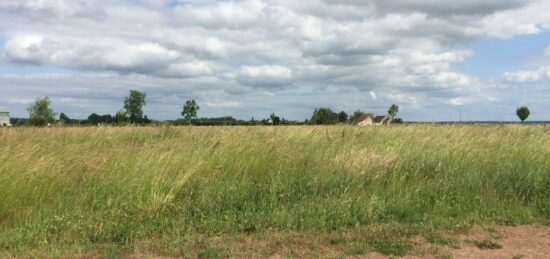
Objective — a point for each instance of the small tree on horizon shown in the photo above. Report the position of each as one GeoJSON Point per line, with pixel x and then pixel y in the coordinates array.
{"type": "Point", "coordinates": [342, 117]}
{"type": "Point", "coordinates": [133, 104]}
{"type": "Point", "coordinates": [323, 116]}
{"type": "Point", "coordinates": [275, 119]}
{"type": "Point", "coordinates": [523, 113]}
{"type": "Point", "coordinates": [356, 115]}
{"type": "Point", "coordinates": [64, 118]}
{"type": "Point", "coordinates": [392, 112]}
{"type": "Point", "coordinates": [190, 110]}
{"type": "Point", "coordinates": [40, 113]}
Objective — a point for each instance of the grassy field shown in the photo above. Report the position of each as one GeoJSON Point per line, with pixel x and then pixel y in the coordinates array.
{"type": "Point", "coordinates": [259, 191]}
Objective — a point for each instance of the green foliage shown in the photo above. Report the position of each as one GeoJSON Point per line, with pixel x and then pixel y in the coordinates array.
{"type": "Point", "coordinates": [96, 119]}
{"type": "Point", "coordinates": [275, 120]}
{"type": "Point", "coordinates": [356, 115]}
{"type": "Point", "coordinates": [121, 117]}
{"type": "Point", "coordinates": [64, 118]}
{"type": "Point", "coordinates": [523, 113]}
{"type": "Point", "coordinates": [392, 111]}
{"type": "Point", "coordinates": [342, 117]}
{"type": "Point", "coordinates": [133, 104]}
{"type": "Point", "coordinates": [40, 113]}
{"type": "Point", "coordinates": [323, 116]}
{"type": "Point", "coordinates": [190, 110]}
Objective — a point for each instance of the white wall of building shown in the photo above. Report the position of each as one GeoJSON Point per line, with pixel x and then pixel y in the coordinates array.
{"type": "Point", "coordinates": [4, 118]}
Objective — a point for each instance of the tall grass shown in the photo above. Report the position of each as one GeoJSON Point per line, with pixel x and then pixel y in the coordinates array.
{"type": "Point", "coordinates": [82, 190]}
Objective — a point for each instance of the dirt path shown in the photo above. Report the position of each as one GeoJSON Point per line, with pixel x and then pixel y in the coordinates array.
{"type": "Point", "coordinates": [516, 242]}
{"type": "Point", "coordinates": [503, 242]}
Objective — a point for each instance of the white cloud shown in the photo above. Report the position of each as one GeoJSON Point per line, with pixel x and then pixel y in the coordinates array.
{"type": "Point", "coordinates": [223, 104]}
{"type": "Point", "coordinates": [388, 50]}
{"type": "Point", "coordinates": [542, 74]}
{"type": "Point", "coordinates": [373, 95]}
{"type": "Point", "coordinates": [266, 75]}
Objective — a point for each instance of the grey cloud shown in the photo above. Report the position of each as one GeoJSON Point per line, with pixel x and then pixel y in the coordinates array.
{"type": "Point", "coordinates": [437, 7]}
{"type": "Point", "coordinates": [228, 52]}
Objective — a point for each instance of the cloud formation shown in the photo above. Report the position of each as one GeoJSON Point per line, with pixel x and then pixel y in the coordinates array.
{"type": "Point", "coordinates": [243, 55]}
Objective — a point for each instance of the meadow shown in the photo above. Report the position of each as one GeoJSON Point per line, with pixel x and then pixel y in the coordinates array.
{"type": "Point", "coordinates": [263, 191]}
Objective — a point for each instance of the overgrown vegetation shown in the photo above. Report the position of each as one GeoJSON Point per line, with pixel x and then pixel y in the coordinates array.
{"type": "Point", "coordinates": [259, 191]}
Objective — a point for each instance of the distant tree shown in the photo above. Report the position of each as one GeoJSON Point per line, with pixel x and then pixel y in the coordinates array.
{"type": "Point", "coordinates": [392, 112]}
{"type": "Point", "coordinates": [356, 115]}
{"type": "Point", "coordinates": [121, 117]}
{"type": "Point", "coordinates": [107, 118]}
{"type": "Point", "coordinates": [133, 104]}
{"type": "Point", "coordinates": [397, 121]}
{"type": "Point", "coordinates": [190, 110]}
{"type": "Point", "coordinates": [523, 113]}
{"type": "Point", "coordinates": [146, 120]}
{"type": "Point", "coordinates": [95, 119]}
{"type": "Point", "coordinates": [323, 116]}
{"type": "Point", "coordinates": [275, 119]}
{"type": "Point", "coordinates": [342, 117]}
{"type": "Point", "coordinates": [64, 118]}
{"type": "Point", "coordinates": [40, 113]}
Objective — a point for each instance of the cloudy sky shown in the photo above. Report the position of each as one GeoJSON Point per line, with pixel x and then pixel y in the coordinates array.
{"type": "Point", "coordinates": [252, 57]}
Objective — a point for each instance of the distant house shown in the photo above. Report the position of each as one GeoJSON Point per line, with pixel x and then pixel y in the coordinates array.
{"type": "Point", "coordinates": [369, 119]}
{"type": "Point", "coordinates": [366, 120]}
{"type": "Point", "coordinates": [4, 118]}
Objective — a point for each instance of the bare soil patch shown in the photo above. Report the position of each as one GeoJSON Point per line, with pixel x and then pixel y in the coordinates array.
{"type": "Point", "coordinates": [515, 242]}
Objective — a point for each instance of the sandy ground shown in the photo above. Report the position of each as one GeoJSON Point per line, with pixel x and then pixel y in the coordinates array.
{"type": "Point", "coordinates": [516, 242]}
{"type": "Point", "coordinates": [505, 242]}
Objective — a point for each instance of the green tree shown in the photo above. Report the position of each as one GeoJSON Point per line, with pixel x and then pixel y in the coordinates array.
{"type": "Point", "coordinates": [190, 110]}
{"type": "Point", "coordinates": [356, 115]}
{"type": "Point", "coordinates": [342, 117]}
{"type": "Point", "coordinates": [40, 113]}
{"type": "Point", "coordinates": [133, 104]}
{"type": "Point", "coordinates": [275, 119]}
{"type": "Point", "coordinates": [523, 113]}
{"type": "Point", "coordinates": [121, 117]}
{"type": "Point", "coordinates": [323, 116]}
{"type": "Point", "coordinates": [64, 118]}
{"type": "Point", "coordinates": [392, 112]}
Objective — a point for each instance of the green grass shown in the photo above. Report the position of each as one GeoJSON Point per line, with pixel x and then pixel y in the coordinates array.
{"type": "Point", "coordinates": [230, 191]}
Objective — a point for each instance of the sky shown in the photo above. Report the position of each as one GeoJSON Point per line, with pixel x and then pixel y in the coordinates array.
{"type": "Point", "coordinates": [436, 59]}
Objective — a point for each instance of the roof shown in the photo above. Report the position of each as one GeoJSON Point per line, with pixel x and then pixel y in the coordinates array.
{"type": "Point", "coordinates": [379, 119]}
{"type": "Point", "coordinates": [364, 117]}
{"type": "Point", "coordinates": [2, 111]}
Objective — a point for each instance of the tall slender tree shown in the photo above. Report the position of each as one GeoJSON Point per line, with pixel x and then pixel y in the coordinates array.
{"type": "Point", "coordinates": [190, 110]}
{"type": "Point", "coordinates": [133, 104]}
{"type": "Point", "coordinates": [392, 112]}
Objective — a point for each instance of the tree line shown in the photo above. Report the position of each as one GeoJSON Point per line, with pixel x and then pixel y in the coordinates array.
{"type": "Point", "coordinates": [41, 114]}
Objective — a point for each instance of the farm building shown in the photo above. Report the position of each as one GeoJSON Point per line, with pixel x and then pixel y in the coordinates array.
{"type": "Point", "coordinates": [365, 120]}
{"type": "Point", "coordinates": [4, 118]}
{"type": "Point", "coordinates": [369, 119]}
